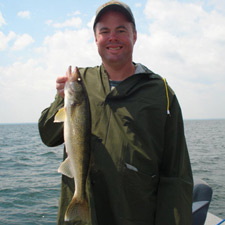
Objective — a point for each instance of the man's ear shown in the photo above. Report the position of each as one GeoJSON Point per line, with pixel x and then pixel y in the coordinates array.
{"type": "Point", "coordinates": [95, 36]}
{"type": "Point", "coordinates": [135, 36]}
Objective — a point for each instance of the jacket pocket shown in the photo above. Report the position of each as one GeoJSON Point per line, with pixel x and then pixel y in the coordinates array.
{"type": "Point", "coordinates": [139, 194]}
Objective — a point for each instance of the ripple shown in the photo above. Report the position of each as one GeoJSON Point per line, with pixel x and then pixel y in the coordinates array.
{"type": "Point", "coordinates": [30, 183]}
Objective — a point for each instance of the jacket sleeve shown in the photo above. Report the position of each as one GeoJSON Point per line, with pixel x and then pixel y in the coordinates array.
{"type": "Point", "coordinates": [51, 133]}
{"type": "Point", "coordinates": [174, 198]}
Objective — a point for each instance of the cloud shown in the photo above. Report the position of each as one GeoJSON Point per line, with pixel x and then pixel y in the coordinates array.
{"type": "Point", "coordinates": [75, 13]}
{"type": "Point", "coordinates": [24, 14]}
{"type": "Point", "coordinates": [23, 89]}
{"type": "Point", "coordinates": [138, 4]}
{"type": "Point", "coordinates": [218, 5]}
{"type": "Point", "coordinates": [186, 45]}
{"type": "Point", "coordinates": [188, 36]}
{"type": "Point", "coordinates": [73, 22]}
{"type": "Point", "coordinates": [49, 22]}
{"type": "Point", "coordinates": [2, 20]}
{"type": "Point", "coordinates": [32, 83]}
{"type": "Point", "coordinates": [22, 42]}
{"type": "Point", "coordinates": [71, 47]}
{"type": "Point", "coordinates": [5, 39]}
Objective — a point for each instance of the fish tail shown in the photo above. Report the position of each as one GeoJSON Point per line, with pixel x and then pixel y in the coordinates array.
{"type": "Point", "coordinates": [77, 210]}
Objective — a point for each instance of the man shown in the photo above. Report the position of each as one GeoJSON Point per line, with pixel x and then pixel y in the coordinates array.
{"type": "Point", "coordinates": [140, 172]}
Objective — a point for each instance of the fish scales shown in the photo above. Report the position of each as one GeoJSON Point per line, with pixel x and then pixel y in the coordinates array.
{"type": "Point", "coordinates": [77, 130]}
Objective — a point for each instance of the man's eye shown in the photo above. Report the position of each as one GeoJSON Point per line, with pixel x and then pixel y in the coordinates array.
{"type": "Point", "coordinates": [104, 32]}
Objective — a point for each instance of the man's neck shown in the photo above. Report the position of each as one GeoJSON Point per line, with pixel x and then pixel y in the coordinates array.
{"type": "Point", "coordinates": [119, 72]}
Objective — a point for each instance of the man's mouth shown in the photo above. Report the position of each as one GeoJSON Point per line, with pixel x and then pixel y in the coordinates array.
{"type": "Point", "coordinates": [114, 48]}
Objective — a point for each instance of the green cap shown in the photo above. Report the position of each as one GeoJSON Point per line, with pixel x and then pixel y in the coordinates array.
{"type": "Point", "coordinates": [114, 6]}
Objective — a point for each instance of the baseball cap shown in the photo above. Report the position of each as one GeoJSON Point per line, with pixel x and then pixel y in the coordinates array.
{"type": "Point", "coordinates": [114, 6]}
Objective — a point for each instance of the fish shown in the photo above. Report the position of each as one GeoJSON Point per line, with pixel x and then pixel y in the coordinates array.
{"type": "Point", "coordinates": [77, 130]}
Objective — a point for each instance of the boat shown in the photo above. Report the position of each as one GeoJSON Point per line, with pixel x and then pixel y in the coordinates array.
{"type": "Point", "coordinates": [212, 219]}
{"type": "Point", "coordinates": [202, 196]}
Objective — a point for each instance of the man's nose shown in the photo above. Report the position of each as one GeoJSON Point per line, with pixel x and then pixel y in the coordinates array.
{"type": "Point", "coordinates": [113, 36]}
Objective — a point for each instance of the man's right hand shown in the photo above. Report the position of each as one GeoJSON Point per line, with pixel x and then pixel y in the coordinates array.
{"type": "Point", "coordinates": [60, 83]}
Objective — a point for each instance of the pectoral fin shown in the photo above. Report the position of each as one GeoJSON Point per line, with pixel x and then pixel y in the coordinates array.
{"type": "Point", "coordinates": [60, 115]}
{"type": "Point", "coordinates": [65, 168]}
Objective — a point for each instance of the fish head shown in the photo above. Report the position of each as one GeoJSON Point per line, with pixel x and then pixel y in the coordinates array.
{"type": "Point", "coordinates": [74, 89]}
{"type": "Point", "coordinates": [74, 76]}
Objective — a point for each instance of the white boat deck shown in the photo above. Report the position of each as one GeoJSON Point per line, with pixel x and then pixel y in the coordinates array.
{"type": "Point", "coordinates": [213, 220]}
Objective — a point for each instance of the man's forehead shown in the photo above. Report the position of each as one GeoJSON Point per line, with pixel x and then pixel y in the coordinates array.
{"type": "Point", "coordinates": [117, 27]}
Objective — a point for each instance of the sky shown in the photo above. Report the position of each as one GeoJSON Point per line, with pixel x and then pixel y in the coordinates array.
{"type": "Point", "coordinates": [182, 40]}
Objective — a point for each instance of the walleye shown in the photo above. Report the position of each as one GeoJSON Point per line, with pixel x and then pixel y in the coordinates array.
{"type": "Point", "coordinates": [77, 130]}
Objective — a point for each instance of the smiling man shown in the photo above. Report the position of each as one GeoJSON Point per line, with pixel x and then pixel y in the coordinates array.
{"type": "Point", "coordinates": [115, 37]}
{"type": "Point", "coordinates": [140, 171]}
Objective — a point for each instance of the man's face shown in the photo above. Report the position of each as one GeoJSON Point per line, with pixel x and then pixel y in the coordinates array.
{"type": "Point", "coordinates": [115, 37]}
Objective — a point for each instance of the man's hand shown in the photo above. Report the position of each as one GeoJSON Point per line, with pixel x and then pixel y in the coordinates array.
{"type": "Point", "coordinates": [60, 82]}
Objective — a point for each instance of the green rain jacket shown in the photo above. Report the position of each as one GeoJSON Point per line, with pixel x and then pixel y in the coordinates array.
{"type": "Point", "coordinates": [140, 172]}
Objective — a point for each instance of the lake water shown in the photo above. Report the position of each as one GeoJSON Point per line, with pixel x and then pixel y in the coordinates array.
{"type": "Point", "coordinates": [30, 184]}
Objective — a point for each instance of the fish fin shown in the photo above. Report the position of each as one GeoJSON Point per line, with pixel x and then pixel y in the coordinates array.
{"type": "Point", "coordinates": [60, 115]}
{"type": "Point", "coordinates": [77, 210]}
{"type": "Point", "coordinates": [65, 168]}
